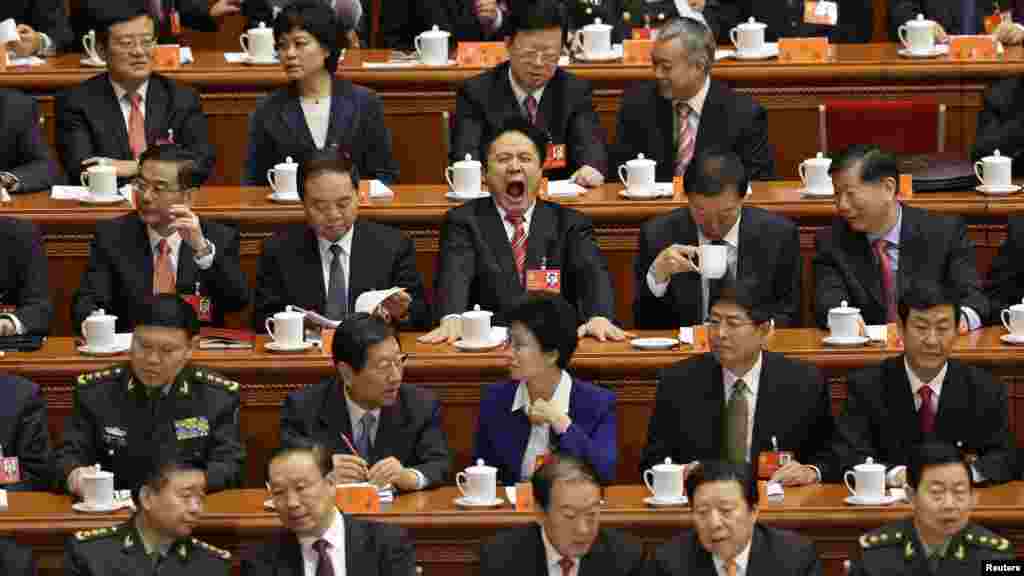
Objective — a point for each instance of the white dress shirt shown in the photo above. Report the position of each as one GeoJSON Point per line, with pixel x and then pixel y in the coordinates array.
{"type": "Point", "coordinates": [540, 434]}
{"type": "Point", "coordinates": [553, 557]}
{"type": "Point", "coordinates": [521, 94]}
{"type": "Point", "coordinates": [753, 381]}
{"type": "Point", "coordinates": [335, 536]}
{"type": "Point", "coordinates": [346, 256]}
{"type": "Point", "coordinates": [318, 118]}
{"type": "Point", "coordinates": [126, 105]}
{"type": "Point", "coordinates": [174, 243]}
{"type": "Point", "coordinates": [742, 561]}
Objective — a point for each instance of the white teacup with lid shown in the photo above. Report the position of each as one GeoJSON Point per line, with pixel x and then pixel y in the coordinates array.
{"type": "Point", "coordinates": [844, 321]}
{"type": "Point", "coordinates": [597, 39]}
{"type": "Point", "coordinates": [748, 37]}
{"type": "Point", "coordinates": [479, 483]}
{"type": "Point", "coordinates": [1013, 319]}
{"type": "Point", "coordinates": [98, 330]}
{"type": "Point", "coordinates": [918, 35]}
{"type": "Point", "coordinates": [869, 480]}
{"type": "Point", "coordinates": [464, 177]}
{"type": "Point", "coordinates": [100, 179]}
{"type": "Point", "coordinates": [285, 328]}
{"type": "Point", "coordinates": [994, 170]}
{"type": "Point", "coordinates": [665, 481]}
{"type": "Point", "coordinates": [476, 326]}
{"type": "Point", "coordinates": [258, 43]}
{"type": "Point", "coordinates": [639, 176]}
{"type": "Point", "coordinates": [283, 179]}
{"type": "Point", "coordinates": [432, 46]}
{"type": "Point", "coordinates": [97, 487]}
{"type": "Point", "coordinates": [814, 173]}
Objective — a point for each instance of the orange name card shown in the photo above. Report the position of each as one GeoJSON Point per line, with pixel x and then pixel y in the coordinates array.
{"type": "Point", "coordinates": [803, 49]}
{"type": "Point", "coordinates": [167, 56]}
{"type": "Point", "coordinates": [481, 54]}
{"type": "Point", "coordinates": [769, 462]}
{"type": "Point", "coordinates": [357, 498]}
{"type": "Point", "coordinates": [637, 51]}
{"type": "Point", "coordinates": [906, 187]}
{"type": "Point", "coordinates": [364, 191]}
{"type": "Point", "coordinates": [980, 47]}
{"type": "Point", "coordinates": [524, 497]}
{"type": "Point", "coordinates": [700, 338]}
{"type": "Point", "coordinates": [677, 187]}
{"type": "Point", "coordinates": [893, 339]}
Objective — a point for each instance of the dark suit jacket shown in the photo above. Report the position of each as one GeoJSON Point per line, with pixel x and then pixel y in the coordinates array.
{"type": "Point", "coordinates": [785, 19]}
{"type": "Point", "coordinates": [879, 418]}
{"type": "Point", "coordinates": [477, 265]}
{"type": "Point", "coordinates": [120, 273]}
{"type": "Point", "coordinates": [290, 265]}
{"type": "Point", "coordinates": [24, 432]}
{"type": "Point", "coordinates": [520, 551]}
{"type": "Point", "coordinates": [793, 404]}
{"type": "Point", "coordinates": [769, 251]}
{"type": "Point", "coordinates": [194, 14]}
{"type": "Point", "coordinates": [459, 18]}
{"type": "Point", "coordinates": [501, 435]}
{"type": "Point", "coordinates": [16, 560]}
{"type": "Point", "coordinates": [945, 12]}
{"type": "Point", "coordinates": [1001, 120]}
{"type": "Point", "coordinates": [565, 112]}
{"type": "Point", "coordinates": [46, 16]}
{"type": "Point", "coordinates": [1006, 286]}
{"type": "Point", "coordinates": [24, 274]}
{"type": "Point", "coordinates": [729, 122]}
{"type": "Point", "coordinates": [772, 551]}
{"type": "Point", "coordinates": [932, 247]}
{"type": "Point", "coordinates": [277, 129]}
{"type": "Point", "coordinates": [90, 123]}
{"type": "Point", "coordinates": [25, 152]}
{"type": "Point", "coordinates": [410, 429]}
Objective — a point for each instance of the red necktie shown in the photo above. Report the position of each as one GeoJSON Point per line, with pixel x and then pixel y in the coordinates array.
{"type": "Point", "coordinates": [531, 108]}
{"type": "Point", "coordinates": [323, 564]}
{"type": "Point", "coordinates": [518, 244]}
{"type": "Point", "coordinates": [163, 274]}
{"type": "Point", "coordinates": [566, 565]}
{"type": "Point", "coordinates": [885, 268]}
{"type": "Point", "coordinates": [136, 126]}
{"type": "Point", "coordinates": [925, 414]}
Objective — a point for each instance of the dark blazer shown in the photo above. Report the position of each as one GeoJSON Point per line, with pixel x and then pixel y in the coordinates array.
{"type": "Point", "coordinates": [371, 549]}
{"type": "Point", "coordinates": [277, 129]}
{"type": "Point", "coordinates": [90, 123]}
{"type": "Point", "coordinates": [879, 418]}
{"type": "Point", "coordinates": [46, 16]}
{"type": "Point", "coordinates": [729, 122]}
{"type": "Point", "coordinates": [945, 12]}
{"type": "Point", "coordinates": [25, 153]}
{"type": "Point", "coordinates": [16, 560]}
{"type": "Point", "coordinates": [194, 14]}
{"type": "Point", "coordinates": [477, 265]}
{"type": "Point", "coordinates": [565, 112]}
{"type": "Point", "coordinates": [459, 18]}
{"type": "Point", "coordinates": [519, 551]}
{"type": "Point", "coordinates": [120, 272]}
{"type": "Point", "coordinates": [1001, 122]}
{"type": "Point", "coordinates": [24, 432]}
{"type": "Point", "coordinates": [501, 434]}
{"type": "Point", "coordinates": [1006, 284]}
{"type": "Point", "coordinates": [290, 265]}
{"type": "Point", "coordinates": [24, 275]}
{"type": "Point", "coordinates": [793, 404]}
{"type": "Point", "coordinates": [772, 551]}
{"type": "Point", "coordinates": [769, 252]}
{"type": "Point", "coordinates": [932, 247]}
{"type": "Point", "coordinates": [410, 429]}
{"type": "Point", "coordinates": [785, 19]}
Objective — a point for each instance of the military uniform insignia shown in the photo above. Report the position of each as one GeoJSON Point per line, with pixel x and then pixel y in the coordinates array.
{"type": "Point", "coordinates": [222, 554]}
{"type": "Point", "coordinates": [216, 380]}
{"type": "Point", "coordinates": [87, 378]}
{"type": "Point", "coordinates": [194, 427]}
{"type": "Point", "coordinates": [879, 538]}
{"type": "Point", "coordinates": [87, 535]}
{"type": "Point", "coordinates": [986, 540]}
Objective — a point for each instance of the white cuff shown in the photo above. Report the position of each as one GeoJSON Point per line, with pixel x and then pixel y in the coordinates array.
{"type": "Point", "coordinates": [890, 476]}
{"type": "Point", "coordinates": [205, 262]}
{"type": "Point", "coordinates": [976, 476]}
{"type": "Point", "coordinates": [498, 19]}
{"type": "Point", "coordinates": [19, 328]}
{"type": "Point", "coordinates": [421, 480]}
{"type": "Point", "coordinates": [656, 288]}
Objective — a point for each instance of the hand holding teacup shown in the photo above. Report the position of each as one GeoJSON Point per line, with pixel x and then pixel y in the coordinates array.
{"type": "Point", "coordinates": [675, 259]}
{"type": "Point", "coordinates": [395, 307]}
{"type": "Point", "coordinates": [29, 41]}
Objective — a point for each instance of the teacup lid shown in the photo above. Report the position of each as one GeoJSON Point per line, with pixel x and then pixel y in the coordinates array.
{"type": "Point", "coordinates": [261, 28]}
{"type": "Point", "coordinates": [1018, 307]}
{"type": "Point", "coordinates": [844, 308]}
{"type": "Point", "coordinates": [288, 312]}
{"type": "Point", "coordinates": [97, 471]}
{"type": "Point", "coordinates": [919, 22]}
{"type": "Point", "coordinates": [103, 165]}
{"type": "Point", "coordinates": [597, 26]}
{"type": "Point", "coordinates": [819, 160]}
{"type": "Point", "coordinates": [467, 162]}
{"type": "Point", "coordinates": [476, 312]}
{"type": "Point", "coordinates": [100, 314]}
{"type": "Point", "coordinates": [667, 466]}
{"type": "Point", "coordinates": [288, 164]}
{"type": "Point", "coordinates": [435, 32]}
{"type": "Point", "coordinates": [481, 468]}
{"type": "Point", "coordinates": [640, 161]}
{"type": "Point", "coordinates": [997, 158]}
{"type": "Point", "coordinates": [752, 24]}
{"type": "Point", "coordinates": [869, 465]}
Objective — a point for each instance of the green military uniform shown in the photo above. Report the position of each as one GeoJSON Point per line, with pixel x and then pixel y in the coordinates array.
{"type": "Point", "coordinates": [119, 550]}
{"type": "Point", "coordinates": [895, 549]}
{"type": "Point", "coordinates": [117, 422]}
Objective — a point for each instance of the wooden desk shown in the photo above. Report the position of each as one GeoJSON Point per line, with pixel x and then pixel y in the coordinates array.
{"type": "Point", "coordinates": [447, 538]}
{"type": "Point", "coordinates": [414, 98]}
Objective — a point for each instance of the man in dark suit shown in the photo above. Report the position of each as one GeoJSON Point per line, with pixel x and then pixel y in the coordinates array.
{"type": "Point", "coordinates": [926, 396]}
{"type": "Point", "coordinates": [25, 306]}
{"type": "Point", "coordinates": [951, 16]}
{"type": "Point", "coordinates": [42, 26]}
{"type": "Point", "coordinates": [202, 15]}
{"type": "Point", "coordinates": [316, 535]}
{"type": "Point", "coordinates": [787, 19]}
{"type": "Point", "coordinates": [738, 402]}
{"type": "Point", "coordinates": [734, 542]}
{"type": "Point", "coordinates": [371, 256]}
{"type": "Point", "coordinates": [684, 112]}
{"type": "Point", "coordinates": [25, 164]}
{"type": "Point", "coordinates": [1006, 285]}
{"type": "Point", "coordinates": [762, 247]}
{"type": "Point", "coordinates": [532, 86]}
{"type": "Point", "coordinates": [394, 428]}
{"type": "Point", "coordinates": [1001, 120]}
{"type": "Point", "coordinates": [16, 560]}
{"type": "Point", "coordinates": [117, 115]}
{"type": "Point", "coordinates": [877, 245]}
{"type": "Point", "coordinates": [162, 248]}
{"type": "Point", "coordinates": [489, 245]}
{"type": "Point", "coordinates": [24, 433]}
{"type": "Point", "coordinates": [567, 535]}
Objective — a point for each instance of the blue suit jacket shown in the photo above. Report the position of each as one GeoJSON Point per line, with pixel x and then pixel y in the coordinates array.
{"type": "Point", "coordinates": [501, 435]}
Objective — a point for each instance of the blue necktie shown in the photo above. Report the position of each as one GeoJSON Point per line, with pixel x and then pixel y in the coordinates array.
{"type": "Point", "coordinates": [968, 17]}
{"type": "Point", "coordinates": [363, 444]}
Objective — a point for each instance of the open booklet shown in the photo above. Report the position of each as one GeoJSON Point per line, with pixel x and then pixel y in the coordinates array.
{"type": "Point", "coordinates": [366, 302]}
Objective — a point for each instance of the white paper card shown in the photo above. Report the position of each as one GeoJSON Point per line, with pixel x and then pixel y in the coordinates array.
{"type": "Point", "coordinates": [26, 61]}
{"type": "Point", "coordinates": [510, 493]}
{"type": "Point", "coordinates": [686, 334]}
{"type": "Point", "coordinates": [368, 301]}
{"type": "Point", "coordinates": [564, 189]}
{"type": "Point", "coordinates": [3, 500]}
{"type": "Point", "coordinates": [380, 190]}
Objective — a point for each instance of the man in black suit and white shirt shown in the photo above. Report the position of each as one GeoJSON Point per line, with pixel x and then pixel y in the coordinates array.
{"type": "Point", "coordinates": [877, 245]}
{"type": "Point", "coordinates": [926, 396]}
{"type": "Point", "coordinates": [684, 112]}
{"type": "Point", "coordinates": [25, 306]}
{"type": "Point", "coordinates": [117, 115]}
{"type": "Point", "coordinates": [762, 247]}
{"type": "Point", "coordinates": [25, 164]}
{"type": "Point", "coordinates": [371, 256]}
{"type": "Point", "coordinates": [317, 538]}
{"type": "Point", "coordinates": [532, 86]}
{"type": "Point", "coordinates": [162, 248]}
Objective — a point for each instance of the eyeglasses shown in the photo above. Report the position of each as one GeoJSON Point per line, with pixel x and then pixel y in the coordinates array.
{"type": "Point", "coordinates": [731, 324]}
{"type": "Point", "coordinates": [144, 186]}
{"type": "Point", "coordinates": [397, 363]}
{"type": "Point", "coordinates": [539, 56]}
{"type": "Point", "coordinates": [127, 43]}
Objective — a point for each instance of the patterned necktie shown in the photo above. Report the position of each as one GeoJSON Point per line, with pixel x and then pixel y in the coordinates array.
{"type": "Point", "coordinates": [323, 563]}
{"type": "Point", "coordinates": [518, 244]}
{"type": "Point", "coordinates": [163, 273]}
{"type": "Point", "coordinates": [136, 126]}
{"type": "Point", "coordinates": [885, 268]}
{"type": "Point", "coordinates": [926, 414]}
{"type": "Point", "coordinates": [363, 444]}
{"type": "Point", "coordinates": [566, 564]}
{"type": "Point", "coordinates": [687, 138]}
{"type": "Point", "coordinates": [737, 413]}
{"type": "Point", "coordinates": [531, 108]}
{"type": "Point", "coordinates": [337, 288]}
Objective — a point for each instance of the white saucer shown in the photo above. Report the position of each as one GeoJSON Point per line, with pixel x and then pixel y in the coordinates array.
{"type": "Point", "coordinates": [937, 50]}
{"type": "Point", "coordinates": [283, 199]}
{"type": "Point", "coordinates": [846, 340]}
{"type": "Point", "coordinates": [276, 347]}
{"type": "Point", "coordinates": [117, 505]}
{"type": "Point", "coordinates": [467, 503]}
{"type": "Point", "coordinates": [883, 501]}
{"type": "Point", "coordinates": [448, 63]}
{"type": "Point", "coordinates": [609, 56]}
{"type": "Point", "coordinates": [625, 193]}
{"type": "Point", "coordinates": [658, 502]}
{"type": "Point", "coordinates": [997, 190]}
{"type": "Point", "coordinates": [654, 343]}
{"type": "Point", "coordinates": [818, 192]}
{"type": "Point", "coordinates": [85, 349]}
{"type": "Point", "coordinates": [1012, 338]}
{"type": "Point", "coordinates": [479, 346]}
{"type": "Point", "coordinates": [90, 199]}
{"type": "Point", "coordinates": [451, 195]}
{"type": "Point", "coordinates": [246, 59]}
{"type": "Point", "coordinates": [92, 63]}
{"type": "Point", "coordinates": [769, 50]}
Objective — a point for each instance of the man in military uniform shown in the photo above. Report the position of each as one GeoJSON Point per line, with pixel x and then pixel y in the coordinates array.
{"type": "Point", "coordinates": [939, 538]}
{"type": "Point", "coordinates": [158, 538]}
{"type": "Point", "coordinates": [155, 401]}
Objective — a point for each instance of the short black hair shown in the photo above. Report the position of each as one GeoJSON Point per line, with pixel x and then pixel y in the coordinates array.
{"type": "Point", "coordinates": [354, 336]}
{"type": "Point", "coordinates": [318, 162]}
{"type": "Point", "coordinates": [551, 320]}
{"type": "Point", "coordinates": [723, 471]}
{"type": "Point", "coordinates": [167, 311]}
{"type": "Point", "coordinates": [560, 467]}
{"type": "Point", "coordinates": [920, 294]}
{"type": "Point", "coordinates": [517, 123]}
{"type": "Point", "coordinates": [157, 467]}
{"type": "Point", "coordinates": [320, 454]}
{"type": "Point", "coordinates": [744, 294]}
{"type": "Point", "coordinates": [717, 172]}
{"type": "Point", "coordinates": [113, 13]}
{"type": "Point", "coordinates": [875, 163]}
{"type": "Point", "coordinates": [185, 161]}
{"type": "Point", "coordinates": [933, 454]}
{"type": "Point", "coordinates": [535, 15]}
{"type": "Point", "coordinates": [320, 20]}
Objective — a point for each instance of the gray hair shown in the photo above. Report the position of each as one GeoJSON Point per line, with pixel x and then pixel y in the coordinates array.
{"type": "Point", "coordinates": [696, 39]}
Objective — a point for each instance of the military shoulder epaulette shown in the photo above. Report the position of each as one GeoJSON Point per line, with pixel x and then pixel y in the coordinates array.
{"type": "Point", "coordinates": [219, 553]}
{"type": "Point", "coordinates": [882, 537]}
{"type": "Point", "coordinates": [96, 534]}
{"type": "Point", "coordinates": [87, 378]}
{"type": "Point", "coordinates": [982, 538]}
{"type": "Point", "coordinates": [212, 378]}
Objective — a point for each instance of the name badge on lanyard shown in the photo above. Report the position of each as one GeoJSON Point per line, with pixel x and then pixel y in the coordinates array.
{"type": "Point", "coordinates": [555, 158]}
{"type": "Point", "coordinates": [201, 304]}
{"type": "Point", "coordinates": [821, 12]}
